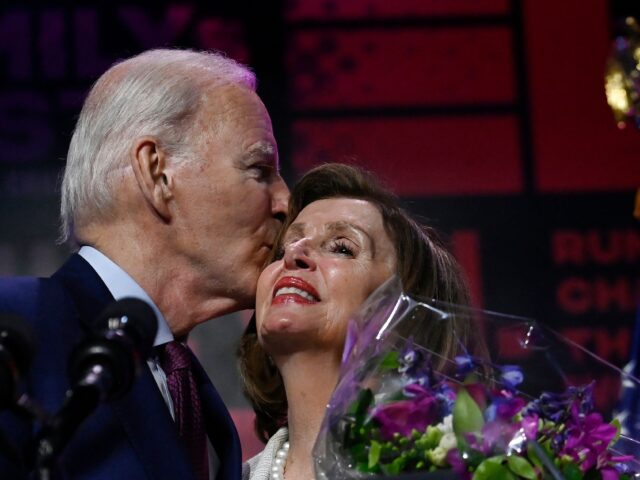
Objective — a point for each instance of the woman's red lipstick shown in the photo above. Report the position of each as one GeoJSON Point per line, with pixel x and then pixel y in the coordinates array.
{"type": "Point", "coordinates": [294, 283]}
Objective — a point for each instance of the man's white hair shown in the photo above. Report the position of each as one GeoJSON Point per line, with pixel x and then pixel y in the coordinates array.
{"type": "Point", "coordinates": [156, 93]}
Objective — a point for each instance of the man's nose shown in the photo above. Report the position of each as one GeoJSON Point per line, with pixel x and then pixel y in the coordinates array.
{"type": "Point", "coordinates": [279, 199]}
{"type": "Point", "coordinates": [298, 256]}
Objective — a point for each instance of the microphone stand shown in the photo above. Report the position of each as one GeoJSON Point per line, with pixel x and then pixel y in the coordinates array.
{"type": "Point", "coordinates": [79, 404]}
{"type": "Point", "coordinates": [26, 409]}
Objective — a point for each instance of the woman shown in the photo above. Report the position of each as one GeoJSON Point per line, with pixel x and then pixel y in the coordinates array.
{"type": "Point", "coordinates": [344, 237]}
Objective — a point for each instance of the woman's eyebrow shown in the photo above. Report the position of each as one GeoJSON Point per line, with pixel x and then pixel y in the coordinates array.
{"type": "Point", "coordinates": [295, 230]}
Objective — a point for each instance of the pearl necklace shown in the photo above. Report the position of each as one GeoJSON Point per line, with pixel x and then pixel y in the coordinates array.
{"type": "Point", "coordinates": [277, 469]}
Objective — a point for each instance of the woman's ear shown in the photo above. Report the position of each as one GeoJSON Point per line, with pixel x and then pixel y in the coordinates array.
{"type": "Point", "coordinates": [149, 163]}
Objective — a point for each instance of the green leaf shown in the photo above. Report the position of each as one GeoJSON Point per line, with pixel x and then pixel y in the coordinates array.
{"type": "Point", "coordinates": [374, 454]}
{"type": "Point", "coordinates": [430, 439]}
{"type": "Point", "coordinates": [467, 416]}
{"type": "Point", "coordinates": [361, 404]}
{"type": "Point", "coordinates": [616, 423]}
{"type": "Point", "coordinates": [492, 469]}
{"type": "Point", "coordinates": [390, 361]}
{"type": "Point", "coordinates": [393, 468]}
{"type": "Point", "coordinates": [359, 452]}
{"type": "Point", "coordinates": [572, 472]}
{"type": "Point", "coordinates": [533, 456]}
{"type": "Point", "coordinates": [593, 474]}
{"type": "Point", "coordinates": [521, 467]}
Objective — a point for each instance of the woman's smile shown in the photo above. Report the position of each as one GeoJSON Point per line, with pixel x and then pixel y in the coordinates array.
{"type": "Point", "coordinates": [294, 290]}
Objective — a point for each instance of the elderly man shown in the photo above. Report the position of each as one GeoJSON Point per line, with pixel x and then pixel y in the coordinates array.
{"type": "Point", "coordinates": [172, 191]}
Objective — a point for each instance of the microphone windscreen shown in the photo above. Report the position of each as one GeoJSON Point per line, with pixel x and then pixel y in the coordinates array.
{"type": "Point", "coordinates": [136, 318]}
{"type": "Point", "coordinates": [17, 336]}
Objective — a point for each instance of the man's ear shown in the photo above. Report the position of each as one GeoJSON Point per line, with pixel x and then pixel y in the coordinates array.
{"type": "Point", "coordinates": [149, 163]}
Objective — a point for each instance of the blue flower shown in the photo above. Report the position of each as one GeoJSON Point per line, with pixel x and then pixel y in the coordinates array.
{"type": "Point", "coordinates": [511, 376]}
{"type": "Point", "coordinates": [465, 365]}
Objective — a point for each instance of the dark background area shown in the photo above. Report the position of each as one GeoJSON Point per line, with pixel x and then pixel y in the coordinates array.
{"type": "Point", "coordinates": [488, 117]}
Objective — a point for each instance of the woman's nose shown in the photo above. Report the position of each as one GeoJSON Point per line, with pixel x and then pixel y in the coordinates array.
{"type": "Point", "coordinates": [297, 256]}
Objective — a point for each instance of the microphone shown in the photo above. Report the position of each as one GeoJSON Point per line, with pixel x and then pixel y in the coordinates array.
{"type": "Point", "coordinates": [109, 360]}
{"type": "Point", "coordinates": [16, 355]}
{"type": "Point", "coordinates": [17, 349]}
{"type": "Point", "coordinates": [101, 368]}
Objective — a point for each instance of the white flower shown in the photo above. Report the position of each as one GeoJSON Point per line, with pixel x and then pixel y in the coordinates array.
{"type": "Point", "coordinates": [439, 454]}
{"type": "Point", "coordinates": [446, 426]}
{"type": "Point", "coordinates": [448, 441]}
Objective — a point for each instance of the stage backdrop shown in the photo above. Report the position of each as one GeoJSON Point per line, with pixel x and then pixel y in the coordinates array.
{"type": "Point", "coordinates": [487, 116]}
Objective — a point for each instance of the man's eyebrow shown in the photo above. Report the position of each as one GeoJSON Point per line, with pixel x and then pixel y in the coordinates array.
{"type": "Point", "coordinates": [261, 148]}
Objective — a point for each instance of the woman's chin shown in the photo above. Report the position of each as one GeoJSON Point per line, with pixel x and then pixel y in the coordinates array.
{"type": "Point", "coordinates": [276, 326]}
{"type": "Point", "coordinates": [284, 336]}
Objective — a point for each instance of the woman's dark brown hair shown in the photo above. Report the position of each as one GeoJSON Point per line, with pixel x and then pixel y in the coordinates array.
{"type": "Point", "coordinates": [424, 266]}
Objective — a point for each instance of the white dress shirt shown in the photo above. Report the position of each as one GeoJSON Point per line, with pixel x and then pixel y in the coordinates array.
{"type": "Point", "coordinates": [121, 285]}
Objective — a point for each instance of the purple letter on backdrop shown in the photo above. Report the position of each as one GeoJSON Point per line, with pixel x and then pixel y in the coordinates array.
{"type": "Point", "coordinates": [25, 132]}
{"type": "Point", "coordinates": [160, 34]}
{"type": "Point", "coordinates": [51, 44]}
{"type": "Point", "coordinates": [89, 63]}
{"type": "Point", "coordinates": [15, 43]}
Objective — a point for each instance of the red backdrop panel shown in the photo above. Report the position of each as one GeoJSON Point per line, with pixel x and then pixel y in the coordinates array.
{"type": "Point", "coordinates": [465, 245]}
{"type": "Point", "coordinates": [400, 67]}
{"type": "Point", "coordinates": [336, 9]}
{"type": "Point", "coordinates": [576, 143]}
{"type": "Point", "coordinates": [419, 156]}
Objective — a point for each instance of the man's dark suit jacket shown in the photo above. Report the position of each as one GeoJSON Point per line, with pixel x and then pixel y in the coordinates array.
{"type": "Point", "coordinates": [130, 438]}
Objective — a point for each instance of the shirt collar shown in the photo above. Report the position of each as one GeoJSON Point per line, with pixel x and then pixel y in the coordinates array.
{"type": "Point", "coordinates": [121, 285]}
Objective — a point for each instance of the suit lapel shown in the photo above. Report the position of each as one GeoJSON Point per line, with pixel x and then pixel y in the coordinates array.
{"type": "Point", "coordinates": [220, 427]}
{"type": "Point", "coordinates": [151, 430]}
{"type": "Point", "coordinates": [142, 412]}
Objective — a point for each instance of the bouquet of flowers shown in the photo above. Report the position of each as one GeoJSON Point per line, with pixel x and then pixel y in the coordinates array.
{"type": "Point", "coordinates": [432, 387]}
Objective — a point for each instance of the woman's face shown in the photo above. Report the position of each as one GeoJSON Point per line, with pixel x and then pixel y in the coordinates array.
{"type": "Point", "coordinates": [334, 254]}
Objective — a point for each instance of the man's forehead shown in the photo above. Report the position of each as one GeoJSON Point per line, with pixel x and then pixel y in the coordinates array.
{"type": "Point", "coordinates": [224, 96]}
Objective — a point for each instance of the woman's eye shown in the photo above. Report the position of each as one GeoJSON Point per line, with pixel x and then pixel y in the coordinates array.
{"type": "Point", "coordinates": [342, 248]}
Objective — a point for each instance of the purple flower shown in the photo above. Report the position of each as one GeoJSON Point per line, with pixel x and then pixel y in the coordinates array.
{"type": "Point", "coordinates": [557, 407]}
{"type": "Point", "coordinates": [458, 464]}
{"type": "Point", "coordinates": [446, 396]}
{"type": "Point", "coordinates": [529, 425]}
{"type": "Point", "coordinates": [493, 438]}
{"type": "Point", "coordinates": [504, 406]}
{"type": "Point", "coordinates": [587, 439]}
{"type": "Point", "coordinates": [403, 416]}
{"type": "Point", "coordinates": [415, 365]}
{"type": "Point", "coordinates": [609, 473]}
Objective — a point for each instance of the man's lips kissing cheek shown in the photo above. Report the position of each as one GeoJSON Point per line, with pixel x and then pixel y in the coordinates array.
{"type": "Point", "coordinates": [294, 290]}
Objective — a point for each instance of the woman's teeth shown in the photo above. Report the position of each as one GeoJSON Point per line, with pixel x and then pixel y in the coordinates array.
{"type": "Point", "coordinates": [295, 291]}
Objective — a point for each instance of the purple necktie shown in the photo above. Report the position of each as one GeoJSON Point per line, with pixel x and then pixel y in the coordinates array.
{"type": "Point", "coordinates": [176, 363]}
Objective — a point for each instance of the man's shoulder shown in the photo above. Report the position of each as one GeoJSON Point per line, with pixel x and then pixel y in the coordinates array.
{"type": "Point", "coordinates": [24, 295]}
{"type": "Point", "coordinates": [34, 297]}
